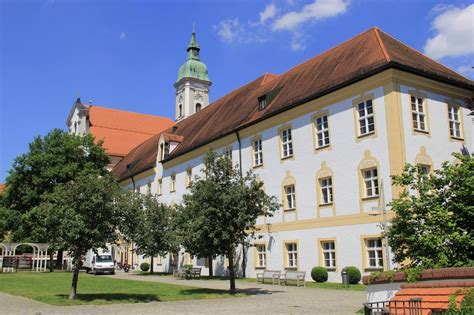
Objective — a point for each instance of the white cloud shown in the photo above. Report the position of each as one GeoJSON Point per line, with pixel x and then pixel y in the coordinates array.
{"type": "Point", "coordinates": [454, 32]}
{"type": "Point", "coordinates": [317, 10]}
{"type": "Point", "coordinates": [269, 13]}
{"type": "Point", "coordinates": [229, 29]}
{"type": "Point", "coordinates": [284, 17]}
{"type": "Point", "coordinates": [123, 36]}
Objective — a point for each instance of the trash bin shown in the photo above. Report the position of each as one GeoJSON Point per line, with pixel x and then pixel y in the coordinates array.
{"type": "Point", "coordinates": [345, 278]}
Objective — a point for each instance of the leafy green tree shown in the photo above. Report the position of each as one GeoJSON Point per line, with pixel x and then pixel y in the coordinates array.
{"type": "Point", "coordinates": [221, 210]}
{"type": "Point", "coordinates": [85, 214]}
{"type": "Point", "coordinates": [54, 159]}
{"type": "Point", "coordinates": [156, 235]}
{"type": "Point", "coordinates": [433, 226]}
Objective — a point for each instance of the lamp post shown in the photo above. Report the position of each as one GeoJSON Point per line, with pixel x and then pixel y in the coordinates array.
{"type": "Point", "coordinates": [382, 210]}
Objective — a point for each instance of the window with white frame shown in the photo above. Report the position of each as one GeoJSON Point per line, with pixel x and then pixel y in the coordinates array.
{"type": "Point", "coordinates": [286, 143]}
{"type": "Point", "coordinates": [189, 176]}
{"type": "Point", "coordinates": [371, 182]}
{"type": "Point", "coordinates": [261, 255]}
{"type": "Point", "coordinates": [365, 111]}
{"type": "Point", "coordinates": [290, 197]}
{"type": "Point", "coordinates": [329, 254]}
{"type": "Point", "coordinates": [454, 121]}
{"type": "Point", "coordinates": [160, 184]}
{"type": "Point", "coordinates": [326, 190]}
{"type": "Point", "coordinates": [257, 152]}
{"type": "Point", "coordinates": [424, 169]}
{"type": "Point", "coordinates": [322, 131]}
{"type": "Point", "coordinates": [418, 113]}
{"type": "Point", "coordinates": [262, 102]}
{"type": "Point", "coordinates": [374, 253]}
{"type": "Point", "coordinates": [173, 182]}
{"type": "Point", "coordinates": [292, 255]}
{"type": "Point", "coordinates": [228, 153]}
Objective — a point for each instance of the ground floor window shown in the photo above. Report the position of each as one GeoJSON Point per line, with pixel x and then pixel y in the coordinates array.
{"type": "Point", "coordinates": [374, 253]}
{"type": "Point", "coordinates": [292, 255]}
{"type": "Point", "coordinates": [261, 255]}
{"type": "Point", "coordinates": [329, 254]}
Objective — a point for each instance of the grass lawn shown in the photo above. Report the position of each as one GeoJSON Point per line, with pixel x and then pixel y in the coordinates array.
{"type": "Point", "coordinates": [309, 284]}
{"type": "Point", "coordinates": [53, 288]}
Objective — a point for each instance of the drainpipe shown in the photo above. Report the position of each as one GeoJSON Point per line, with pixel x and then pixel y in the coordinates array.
{"type": "Point", "coordinates": [244, 256]}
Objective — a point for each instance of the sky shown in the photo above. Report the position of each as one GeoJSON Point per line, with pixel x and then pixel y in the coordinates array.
{"type": "Point", "coordinates": [126, 54]}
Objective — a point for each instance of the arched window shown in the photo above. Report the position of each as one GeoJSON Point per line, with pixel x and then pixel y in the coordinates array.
{"type": "Point", "coordinates": [180, 107]}
{"type": "Point", "coordinates": [198, 107]}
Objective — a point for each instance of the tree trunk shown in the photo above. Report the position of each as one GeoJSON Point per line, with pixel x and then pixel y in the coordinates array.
{"type": "Point", "coordinates": [51, 257]}
{"type": "Point", "coordinates": [151, 264]}
{"type": "Point", "coordinates": [59, 259]}
{"type": "Point", "coordinates": [75, 278]}
{"type": "Point", "coordinates": [209, 262]}
{"type": "Point", "coordinates": [231, 271]}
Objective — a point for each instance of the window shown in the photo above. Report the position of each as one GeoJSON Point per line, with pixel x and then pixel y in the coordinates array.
{"type": "Point", "coordinates": [371, 182]}
{"type": "Point", "coordinates": [292, 255]}
{"type": "Point", "coordinates": [198, 107]}
{"type": "Point", "coordinates": [418, 113]}
{"type": "Point", "coordinates": [365, 111]}
{"type": "Point", "coordinates": [160, 184]}
{"type": "Point", "coordinates": [261, 255]}
{"type": "Point", "coordinates": [189, 176]}
{"type": "Point", "coordinates": [374, 253]}
{"type": "Point", "coordinates": [329, 254]}
{"type": "Point", "coordinates": [424, 169]}
{"type": "Point", "coordinates": [454, 121]}
{"type": "Point", "coordinates": [148, 188]}
{"type": "Point", "coordinates": [322, 131]}
{"type": "Point", "coordinates": [290, 197]}
{"type": "Point", "coordinates": [257, 152]}
{"type": "Point", "coordinates": [173, 183]}
{"type": "Point", "coordinates": [165, 149]}
{"type": "Point", "coordinates": [326, 190]}
{"type": "Point", "coordinates": [262, 102]}
{"type": "Point", "coordinates": [286, 143]}
{"type": "Point", "coordinates": [180, 110]}
{"type": "Point", "coordinates": [228, 153]}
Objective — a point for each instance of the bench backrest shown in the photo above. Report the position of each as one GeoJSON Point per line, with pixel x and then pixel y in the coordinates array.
{"type": "Point", "coordinates": [271, 273]}
{"type": "Point", "coordinates": [293, 274]}
{"type": "Point", "coordinates": [196, 270]}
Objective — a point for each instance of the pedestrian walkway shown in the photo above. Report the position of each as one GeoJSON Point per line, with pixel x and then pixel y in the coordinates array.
{"type": "Point", "coordinates": [264, 299]}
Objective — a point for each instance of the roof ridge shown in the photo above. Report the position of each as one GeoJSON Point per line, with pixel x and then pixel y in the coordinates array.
{"type": "Point", "coordinates": [121, 129]}
{"type": "Point", "coordinates": [423, 55]}
{"type": "Point", "coordinates": [379, 40]}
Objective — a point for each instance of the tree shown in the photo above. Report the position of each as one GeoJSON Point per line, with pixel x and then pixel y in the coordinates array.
{"type": "Point", "coordinates": [221, 210]}
{"type": "Point", "coordinates": [85, 214]}
{"type": "Point", "coordinates": [54, 159]}
{"type": "Point", "coordinates": [433, 225]}
{"type": "Point", "coordinates": [156, 234]}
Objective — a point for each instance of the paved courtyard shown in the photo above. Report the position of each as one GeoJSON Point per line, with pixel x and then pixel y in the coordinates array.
{"type": "Point", "coordinates": [266, 299]}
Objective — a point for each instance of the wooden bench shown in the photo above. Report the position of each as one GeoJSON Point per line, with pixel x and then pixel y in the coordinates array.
{"type": "Point", "coordinates": [293, 275]}
{"type": "Point", "coordinates": [273, 275]}
{"type": "Point", "coordinates": [180, 273]}
{"type": "Point", "coordinates": [196, 272]}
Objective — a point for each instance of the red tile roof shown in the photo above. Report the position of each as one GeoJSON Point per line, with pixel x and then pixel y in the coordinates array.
{"type": "Point", "coordinates": [122, 130]}
{"type": "Point", "coordinates": [360, 57]}
{"type": "Point", "coordinates": [2, 187]}
{"type": "Point", "coordinates": [433, 295]}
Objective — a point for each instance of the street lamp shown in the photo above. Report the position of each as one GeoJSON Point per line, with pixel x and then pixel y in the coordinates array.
{"type": "Point", "coordinates": [382, 210]}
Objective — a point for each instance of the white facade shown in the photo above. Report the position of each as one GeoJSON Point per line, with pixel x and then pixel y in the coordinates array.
{"type": "Point", "coordinates": [346, 221]}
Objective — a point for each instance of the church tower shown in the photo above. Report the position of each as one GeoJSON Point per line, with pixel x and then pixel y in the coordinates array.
{"type": "Point", "coordinates": [192, 85]}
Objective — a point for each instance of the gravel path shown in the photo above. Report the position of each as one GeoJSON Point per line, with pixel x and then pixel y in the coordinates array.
{"type": "Point", "coordinates": [267, 299]}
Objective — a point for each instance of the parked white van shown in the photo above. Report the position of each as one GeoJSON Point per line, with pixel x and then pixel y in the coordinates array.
{"type": "Point", "coordinates": [102, 262]}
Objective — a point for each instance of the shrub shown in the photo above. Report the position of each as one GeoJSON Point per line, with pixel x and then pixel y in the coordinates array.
{"type": "Point", "coordinates": [354, 274]}
{"type": "Point", "coordinates": [145, 266]}
{"type": "Point", "coordinates": [188, 266]}
{"type": "Point", "coordinates": [319, 274]}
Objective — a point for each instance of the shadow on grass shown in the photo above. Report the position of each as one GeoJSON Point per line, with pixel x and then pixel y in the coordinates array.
{"type": "Point", "coordinates": [115, 297]}
{"type": "Point", "coordinates": [244, 292]}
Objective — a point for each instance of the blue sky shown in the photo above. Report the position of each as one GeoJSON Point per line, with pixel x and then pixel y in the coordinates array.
{"type": "Point", "coordinates": [126, 54]}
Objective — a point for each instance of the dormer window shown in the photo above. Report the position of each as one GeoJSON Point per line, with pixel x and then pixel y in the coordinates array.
{"type": "Point", "coordinates": [262, 102]}
{"type": "Point", "coordinates": [165, 149]}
